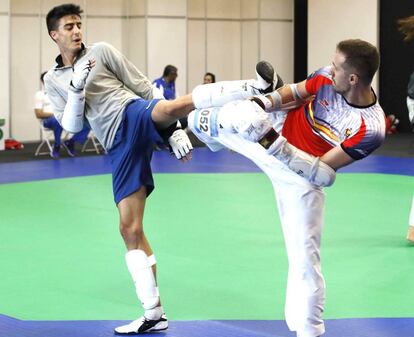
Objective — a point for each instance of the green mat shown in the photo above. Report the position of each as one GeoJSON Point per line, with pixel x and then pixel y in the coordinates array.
{"type": "Point", "coordinates": [218, 244]}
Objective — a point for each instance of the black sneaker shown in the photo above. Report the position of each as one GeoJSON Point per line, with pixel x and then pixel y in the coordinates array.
{"type": "Point", "coordinates": [266, 75]}
{"type": "Point", "coordinates": [143, 325]}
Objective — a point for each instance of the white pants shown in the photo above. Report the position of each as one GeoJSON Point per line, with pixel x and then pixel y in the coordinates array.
{"type": "Point", "coordinates": [301, 207]}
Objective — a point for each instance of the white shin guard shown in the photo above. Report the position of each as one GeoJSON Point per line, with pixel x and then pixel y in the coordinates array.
{"type": "Point", "coordinates": [139, 266]}
{"type": "Point", "coordinates": [220, 93]}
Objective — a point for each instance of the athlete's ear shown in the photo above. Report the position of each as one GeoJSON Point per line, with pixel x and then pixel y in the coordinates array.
{"type": "Point", "coordinates": [353, 79]}
{"type": "Point", "coordinates": [53, 34]}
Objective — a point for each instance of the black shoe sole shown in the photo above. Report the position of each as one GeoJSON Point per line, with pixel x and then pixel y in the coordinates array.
{"type": "Point", "coordinates": [139, 333]}
{"type": "Point", "coordinates": [279, 82]}
{"type": "Point", "coordinates": [266, 71]}
{"type": "Point", "coordinates": [146, 331]}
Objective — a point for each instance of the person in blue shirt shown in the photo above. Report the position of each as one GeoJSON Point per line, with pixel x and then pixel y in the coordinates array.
{"type": "Point", "coordinates": [166, 83]}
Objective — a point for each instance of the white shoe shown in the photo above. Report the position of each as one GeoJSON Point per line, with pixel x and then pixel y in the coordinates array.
{"type": "Point", "coordinates": [143, 325]}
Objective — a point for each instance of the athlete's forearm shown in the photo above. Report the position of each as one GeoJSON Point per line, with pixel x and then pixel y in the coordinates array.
{"type": "Point", "coordinates": [288, 97]}
{"type": "Point", "coordinates": [337, 158]}
{"type": "Point", "coordinates": [73, 115]}
{"type": "Point", "coordinates": [308, 166]}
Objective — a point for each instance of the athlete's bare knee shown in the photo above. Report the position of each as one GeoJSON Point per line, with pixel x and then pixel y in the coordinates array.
{"type": "Point", "coordinates": [132, 230]}
{"type": "Point", "coordinates": [164, 108]}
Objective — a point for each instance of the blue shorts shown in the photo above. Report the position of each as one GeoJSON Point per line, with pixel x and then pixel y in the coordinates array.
{"type": "Point", "coordinates": [132, 150]}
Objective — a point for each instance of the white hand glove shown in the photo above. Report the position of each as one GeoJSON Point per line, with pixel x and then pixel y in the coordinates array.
{"type": "Point", "coordinates": [81, 72]}
{"type": "Point", "coordinates": [252, 122]}
{"type": "Point", "coordinates": [180, 143]}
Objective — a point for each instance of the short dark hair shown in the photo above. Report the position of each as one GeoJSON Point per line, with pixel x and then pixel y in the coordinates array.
{"type": "Point", "coordinates": [168, 70]}
{"type": "Point", "coordinates": [361, 56]}
{"type": "Point", "coordinates": [42, 76]}
{"type": "Point", "coordinates": [58, 12]}
{"type": "Point", "coordinates": [213, 77]}
{"type": "Point", "coordinates": [406, 27]}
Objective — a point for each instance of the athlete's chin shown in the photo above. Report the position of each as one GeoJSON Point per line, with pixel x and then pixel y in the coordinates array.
{"type": "Point", "coordinates": [77, 45]}
{"type": "Point", "coordinates": [338, 90]}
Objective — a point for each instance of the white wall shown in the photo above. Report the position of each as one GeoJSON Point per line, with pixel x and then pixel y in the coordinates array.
{"type": "Point", "coordinates": [332, 21]}
{"type": "Point", "coordinates": [167, 44]}
{"type": "Point", "coordinates": [224, 37]}
{"type": "Point", "coordinates": [229, 37]}
{"type": "Point", "coordinates": [4, 67]}
{"type": "Point", "coordinates": [25, 73]}
{"type": "Point", "coordinates": [196, 52]}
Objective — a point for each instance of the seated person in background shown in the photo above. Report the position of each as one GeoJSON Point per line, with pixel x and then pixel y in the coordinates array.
{"type": "Point", "coordinates": [43, 111]}
{"type": "Point", "coordinates": [166, 83]}
{"type": "Point", "coordinates": [209, 78]}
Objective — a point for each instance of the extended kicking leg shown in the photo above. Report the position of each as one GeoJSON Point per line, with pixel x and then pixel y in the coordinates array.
{"type": "Point", "coordinates": [220, 93]}
{"type": "Point", "coordinates": [249, 119]}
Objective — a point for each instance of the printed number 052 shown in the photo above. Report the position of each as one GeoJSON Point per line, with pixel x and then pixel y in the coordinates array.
{"type": "Point", "coordinates": [204, 120]}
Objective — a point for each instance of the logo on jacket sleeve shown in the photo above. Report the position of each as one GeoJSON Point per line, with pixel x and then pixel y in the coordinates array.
{"type": "Point", "coordinates": [324, 103]}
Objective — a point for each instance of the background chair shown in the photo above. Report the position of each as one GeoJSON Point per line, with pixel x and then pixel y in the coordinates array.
{"type": "Point", "coordinates": [92, 144]}
{"type": "Point", "coordinates": [47, 138]}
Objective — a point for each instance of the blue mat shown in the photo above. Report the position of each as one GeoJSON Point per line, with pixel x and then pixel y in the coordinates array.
{"type": "Point", "coordinates": [360, 327]}
{"type": "Point", "coordinates": [204, 161]}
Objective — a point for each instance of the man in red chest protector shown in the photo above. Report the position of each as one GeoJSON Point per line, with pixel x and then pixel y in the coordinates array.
{"type": "Point", "coordinates": [309, 130]}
